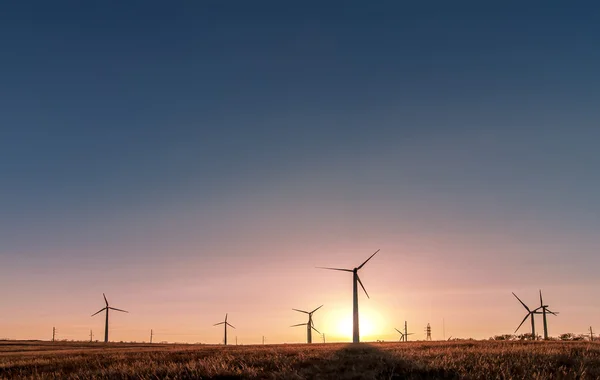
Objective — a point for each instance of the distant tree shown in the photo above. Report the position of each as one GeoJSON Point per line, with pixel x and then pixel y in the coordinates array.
{"type": "Point", "coordinates": [573, 337]}
{"type": "Point", "coordinates": [503, 337]}
{"type": "Point", "coordinates": [526, 336]}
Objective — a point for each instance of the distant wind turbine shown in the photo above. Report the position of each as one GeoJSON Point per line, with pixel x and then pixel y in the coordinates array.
{"type": "Point", "coordinates": [225, 323]}
{"type": "Point", "coordinates": [309, 325]}
{"type": "Point", "coordinates": [401, 335]}
{"type": "Point", "coordinates": [355, 280]}
{"type": "Point", "coordinates": [106, 323]}
{"type": "Point", "coordinates": [530, 314]}
{"type": "Point", "coordinates": [544, 311]}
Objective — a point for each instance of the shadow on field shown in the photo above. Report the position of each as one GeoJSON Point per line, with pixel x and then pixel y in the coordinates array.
{"type": "Point", "coordinates": [365, 361]}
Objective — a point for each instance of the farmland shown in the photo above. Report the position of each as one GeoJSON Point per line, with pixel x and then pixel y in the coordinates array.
{"type": "Point", "coordinates": [413, 360]}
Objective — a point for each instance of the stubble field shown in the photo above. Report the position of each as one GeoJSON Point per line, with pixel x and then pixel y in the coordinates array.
{"type": "Point", "coordinates": [413, 360]}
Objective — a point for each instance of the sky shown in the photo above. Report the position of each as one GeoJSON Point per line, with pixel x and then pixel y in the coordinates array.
{"type": "Point", "coordinates": [192, 159]}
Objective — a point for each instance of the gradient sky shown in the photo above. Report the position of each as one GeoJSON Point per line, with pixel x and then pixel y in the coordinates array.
{"type": "Point", "coordinates": [191, 159]}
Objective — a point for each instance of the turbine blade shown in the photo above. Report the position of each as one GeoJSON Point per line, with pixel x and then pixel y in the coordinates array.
{"type": "Point", "coordinates": [363, 287]}
{"type": "Point", "coordinates": [343, 270]}
{"type": "Point", "coordinates": [363, 264]}
{"type": "Point", "coordinates": [316, 309]}
{"type": "Point", "coordinates": [552, 312]}
{"type": "Point", "coordinates": [220, 323]}
{"type": "Point", "coordinates": [522, 303]}
{"type": "Point", "coordinates": [313, 327]}
{"type": "Point", "coordinates": [299, 324]}
{"type": "Point", "coordinates": [541, 302]}
{"type": "Point", "coordinates": [104, 308]}
{"type": "Point", "coordinates": [105, 300]}
{"type": "Point", "coordinates": [225, 317]}
{"type": "Point", "coordinates": [230, 325]}
{"type": "Point", "coordinates": [398, 330]}
{"type": "Point", "coordinates": [523, 321]}
{"type": "Point", "coordinates": [302, 311]}
{"type": "Point", "coordinates": [114, 308]}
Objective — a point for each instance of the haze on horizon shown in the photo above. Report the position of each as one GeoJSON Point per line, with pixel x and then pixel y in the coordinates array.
{"type": "Point", "coordinates": [196, 159]}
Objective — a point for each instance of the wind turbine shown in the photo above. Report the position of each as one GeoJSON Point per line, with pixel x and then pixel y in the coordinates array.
{"type": "Point", "coordinates": [309, 325]}
{"type": "Point", "coordinates": [225, 323]}
{"type": "Point", "coordinates": [530, 313]}
{"type": "Point", "coordinates": [355, 280]}
{"type": "Point", "coordinates": [544, 311]}
{"type": "Point", "coordinates": [106, 323]}
{"type": "Point", "coordinates": [401, 335]}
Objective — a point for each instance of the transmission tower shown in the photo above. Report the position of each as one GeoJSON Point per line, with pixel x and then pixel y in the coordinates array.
{"type": "Point", "coordinates": [428, 332]}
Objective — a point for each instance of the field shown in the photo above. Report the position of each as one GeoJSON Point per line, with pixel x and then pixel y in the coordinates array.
{"type": "Point", "coordinates": [413, 360]}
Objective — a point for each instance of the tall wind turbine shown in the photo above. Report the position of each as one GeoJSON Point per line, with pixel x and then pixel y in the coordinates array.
{"type": "Point", "coordinates": [544, 311]}
{"type": "Point", "coordinates": [355, 280]}
{"type": "Point", "coordinates": [530, 314]}
{"type": "Point", "coordinates": [225, 323]}
{"type": "Point", "coordinates": [309, 325]}
{"type": "Point", "coordinates": [106, 323]}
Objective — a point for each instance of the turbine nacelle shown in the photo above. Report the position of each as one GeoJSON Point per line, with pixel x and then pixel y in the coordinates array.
{"type": "Point", "coordinates": [224, 323]}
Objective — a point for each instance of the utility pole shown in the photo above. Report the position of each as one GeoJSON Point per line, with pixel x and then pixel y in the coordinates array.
{"type": "Point", "coordinates": [591, 334]}
{"type": "Point", "coordinates": [53, 333]}
{"type": "Point", "coordinates": [236, 340]}
{"type": "Point", "coordinates": [91, 336]}
{"type": "Point", "coordinates": [151, 333]}
{"type": "Point", "coordinates": [263, 340]}
{"type": "Point", "coordinates": [323, 337]}
{"type": "Point", "coordinates": [444, 328]}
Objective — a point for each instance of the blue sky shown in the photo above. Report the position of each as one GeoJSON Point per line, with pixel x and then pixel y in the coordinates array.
{"type": "Point", "coordinates": [149, 138]}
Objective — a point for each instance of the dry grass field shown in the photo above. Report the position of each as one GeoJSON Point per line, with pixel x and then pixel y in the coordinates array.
{"type": "Point", "coordinates": [413, 360]}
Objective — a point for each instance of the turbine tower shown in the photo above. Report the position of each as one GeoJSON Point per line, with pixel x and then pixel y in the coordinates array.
{"type": "Point", "coordinates": [529, 314]}
{"type": "Point", "coordinates": [106, 323]}
{"type": "Point", "coordinates": [225, 323]}
{"type": "Point", "coordinates": [355, 281]}
{"type": "Point", "coordinates": [309, 325]}
{"type": "Point", "coordinates": [544, 311]}
{"type": "Point", "coordinates": [406, 333]}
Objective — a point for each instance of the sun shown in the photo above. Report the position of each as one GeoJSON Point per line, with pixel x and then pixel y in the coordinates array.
{"type": "Point", "coordinates": [344, 326]}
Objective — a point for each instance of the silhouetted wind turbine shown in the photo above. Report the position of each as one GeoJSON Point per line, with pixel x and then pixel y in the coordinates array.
{"type": "Point", "coordinates": [544, 311]}
{"type": "Point", "coordinates": [401, 335]}
{"type": "Point", "coordinates": [309, 325]}
{"type": "Point", "coordinates": [106, 323]}
{"type": "Point", "coordinates": [225, 323]}
{"type": "Point", "coordinates": [355, 280]}
{"type": "Point", "coordinates": [530, 313]}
